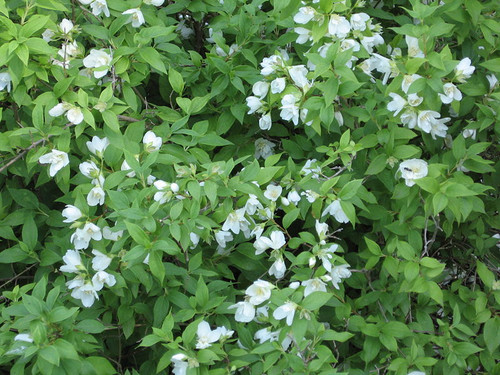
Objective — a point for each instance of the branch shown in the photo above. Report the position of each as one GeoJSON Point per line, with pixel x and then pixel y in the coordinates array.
{"type": "Point", "coordinates": [24, 151]}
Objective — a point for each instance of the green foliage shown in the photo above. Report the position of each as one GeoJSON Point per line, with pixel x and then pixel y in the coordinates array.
{"type": "Point", "coordinates": [352, 231]}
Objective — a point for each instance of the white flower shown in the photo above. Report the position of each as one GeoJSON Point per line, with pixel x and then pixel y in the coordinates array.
{"type": "Point", "coordinates": [359, 20]}
{"type": "Point", "coordinates": [5, 81]}
{"type": "Point", "coordinates": [47, 35]}
{"type": "Point", "coordinates": [245, 311]}
{"type": "Point", "coordinates": [100, 261]}
{"type": "Point", "coordinates": [289, 110]}
{"type": "Point", "coordinates": [136, 17]}
{"type": "Point", "coordinates": [397, 103]}
{"type": "Point", "coordinates": [340, 119]}
{"type": "Point", "coordinates": [310, 195]}
{"type": "Point", "coordinates": [278, 85]}
{"type": "Point", "coordinates": [305, 35]}
{"type": "Point", "coordinates": [224, 332]}
{"type": "Point", "coordinates": [59, 109]}
{"type": "Point", "coordinates": [98, 7]}
{"type": "Point", "coordinates": [90, 169]}
{"type": "Point", "coordinates": [492, 80]}
{"type": "Point", "coordinates": [73, 262]}
{"type": "Point", "coordinates": [326, 255]}
{"type": "Point", "coordinates": [469, 133]}
{"type": "Point", "coordinates": [100, 61]}
{"type": "Point", "coordinates": [252, 204]}
{"type": "Point", "coordinates": [412, 170]}
{"type": "Point", "coordinates": [195, 239]}
{"type": "Point", "coordinates": [293, 197]}
{"type": "Point", "coordinates": [86, 293]}
{"type": "Point", "coordinates": [414, 100]}
{"type": "Point", "coordinates": [335, 209]}
{"type": "Point", "coordinates": [429, 122]}
{"type": "Point", "coordinates": [151, 141]}
{"type": "Point", "coordinates": [451, 92]}
{"type": "Point", "coordinates": [254, 103]}
{"type": "Point", "coordinates": [101, 278]}
{"type": "Point", "coordinates": [416, 373]}
{"type": "Point", "coordinates": [304, 15]}
{"type": "Point", "coordinates": [26, 337]}
{"type": "Point", "coordinates": [223, 237]}
{"type": "Point", "coordinates": [260, 89]}
{"type": "Point", "coordinates": [278, 268]}
{"type": "Point", "coordinates": [413, 48]}
{"type": "Point", "coordinates": [96, 196]}
{"type": "Point", "coordinates": [409, 118]}
{"type": "Point", "coordinates": [97, 146]}
{"type": "Point", "coordinates": [286, 311]}
{"type": "Point", "coordinates": [71, 213]}
{"type": "Point", "coordinates": [368, 42]}
{"type": "Point", "coordinates": [110, 235]}
{"type": "Point", "coordinates": [82, 236]}
{"type": "Point", "coordinates": [313, 285]}
{"type": "Point", "coordinates": [265, 334]}
{"type": "Point", "coordinates": [75, 115]}
{"type": "Point", "coordinates": [57, 160]}
{"type": "Point", "coordinates": [206, 336]}
{"type": "Point", "coordinates": [263, 148]}
{"type": "Point", "coordinates": [298, 74]}
{"type": "Point", "coordinates": [180, 363]}
{"type": "Point", "coordinates": [273, 192]}
{"type": "Point", "coordinates": [321, 229]}
{"type": "Point", "coordinates": [311, 167]}
{"type": "Point", "coordinates": [338, 273]}
{"type": "Point", "coordinates": [338, 26]}
{"type": "Point", "coordinates": [345, 45]}
{"type": "Point", "coordinates": [265, 122]}
{"type": "Point", "coordinates": [165, 192]}
{"type": "Point", "coordinates": [126, 167]}
{"type": "Point", "coordinates": [236, 221]}
{"type": "Point", "coordinates": [275, 241]}
{"type": "Point", "coordinates": [408, 80]}
{"type": "Point", "coordinates": [464, 70]}
{"type": "Point", "coordinates": [66, 26]}
{"type": "Point", "coordinates": [294, 285]}
{"type": "Point", "coordinates": [259, 292]}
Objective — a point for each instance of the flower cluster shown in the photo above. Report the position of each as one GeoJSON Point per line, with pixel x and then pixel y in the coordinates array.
{"type": "Point", "coordinates": [83, 286]}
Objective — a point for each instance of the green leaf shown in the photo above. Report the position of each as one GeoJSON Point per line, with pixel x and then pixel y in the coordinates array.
{"type": "Point", "coordinates": [138, 234]}
{"type": "Point", "coordinates": [90, 326]}
{"type": "Point", "coordinates": [50, 354]}
{"type": "Point", "coordinates": [377, 165]}
{"type": "Point", "coordinates": [487, 277]}
{"type": "Point", "coordinates": [176, 81]}
{"type": "Point", "coordinates": [156, 265]}
{"type": "Point", "coordinates": [315, 300]}
{"type": "Point", "coordinates": [101, 366]}
{"type": "Point", "coordinates": [202, 294]}
{"type": "Point", "coordinates": [465, 349]}
{"type": "Point", "coordinates": [350, 189]}
{"type": "Point", "coordinates": [491, 332]}
{"type": "Point", "coordinates": [290, 217]}
{"type": "Point", "coordinates": [153, 58]}
{"type": "Point", "coordinates": [492, 65]}
{"type": "Point", "coordinates": [111, 120]}
{"type": "Point", "coordinates": [396, 329]}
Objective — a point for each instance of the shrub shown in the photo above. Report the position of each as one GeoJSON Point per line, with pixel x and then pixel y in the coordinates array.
{"type": "Point", "coordinates": [216, 187]}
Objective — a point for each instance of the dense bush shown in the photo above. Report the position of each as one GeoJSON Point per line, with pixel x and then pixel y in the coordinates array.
{"type": "Point", "coordinates": [278, 187]}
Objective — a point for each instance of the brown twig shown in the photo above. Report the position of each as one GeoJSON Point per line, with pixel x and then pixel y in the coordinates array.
{"type": "Point", "coordinates": [24, 151]}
